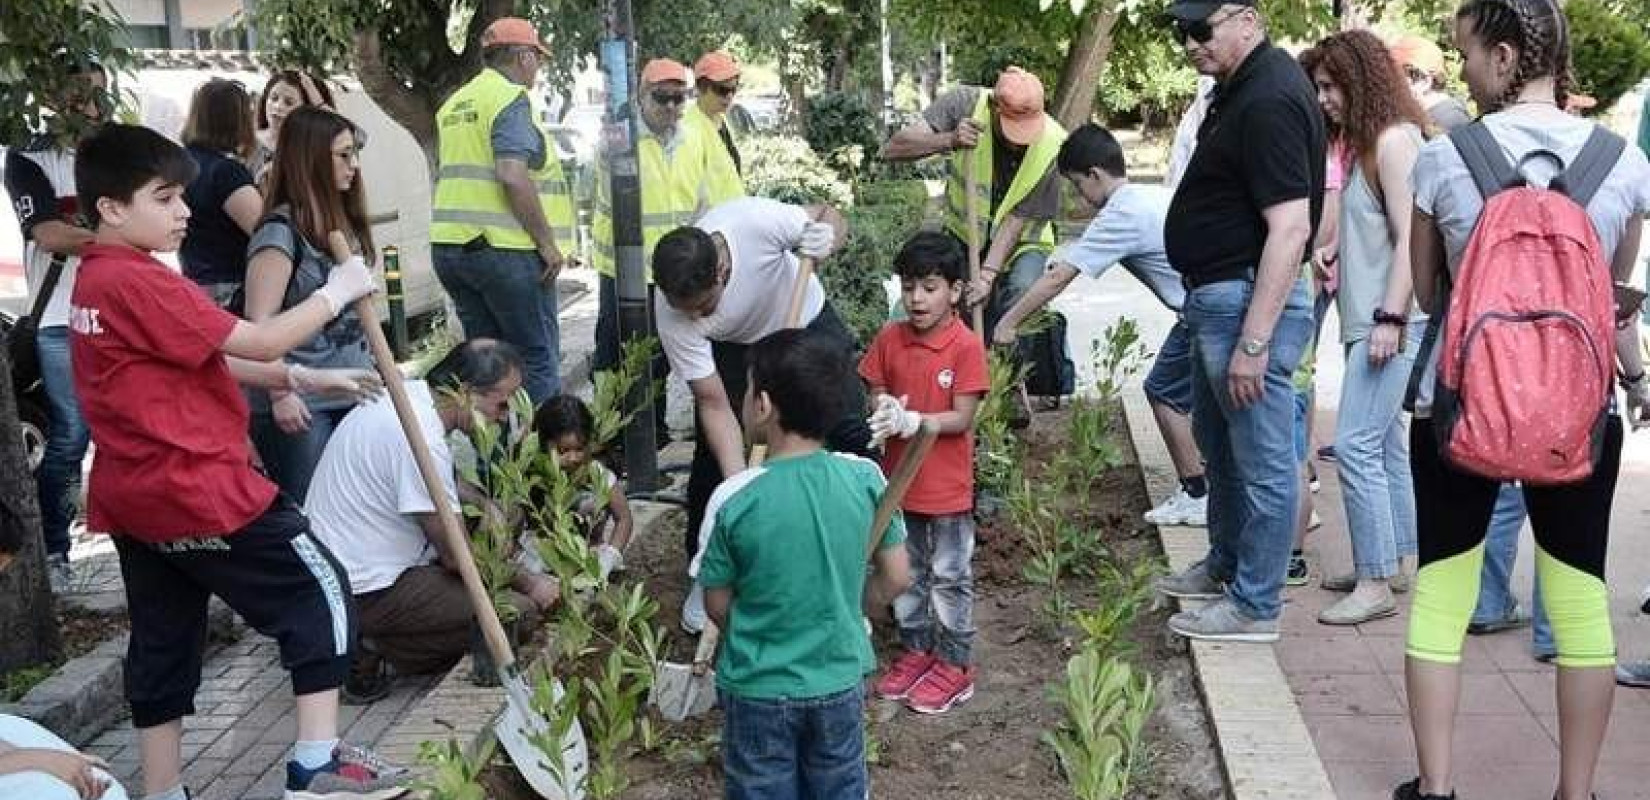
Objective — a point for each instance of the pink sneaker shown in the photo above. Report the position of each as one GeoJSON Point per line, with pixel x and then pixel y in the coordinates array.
{"type": "Point", "coordinates": [904, 673]}
{"type": "Point", "coordinates": [943, 687]}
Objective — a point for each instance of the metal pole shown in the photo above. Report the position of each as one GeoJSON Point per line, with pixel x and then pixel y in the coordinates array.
{"type": "Point", "coordinates": [397, 299]}
{"type": "Point", "coordinates": [618, 57]}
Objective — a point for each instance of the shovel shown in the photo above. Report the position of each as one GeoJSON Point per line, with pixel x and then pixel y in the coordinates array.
{"type": "Point", "coordinates": [520, 723]}
{"type": "Point", "coordinates": [688, 690]}
{"type": "Point", "coordinates": [974, 247]}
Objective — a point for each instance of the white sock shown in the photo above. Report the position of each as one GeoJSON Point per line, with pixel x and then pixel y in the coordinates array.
{"type": "Point", "coordinates": [313, 755]}
{"type": "Point", "coordinates": [174, 793]}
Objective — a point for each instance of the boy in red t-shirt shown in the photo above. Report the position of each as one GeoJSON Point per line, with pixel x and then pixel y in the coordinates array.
{"type": "Point", "coordinates": [932, 365]}
{"type": "Point", "coordinates": [156, 367]}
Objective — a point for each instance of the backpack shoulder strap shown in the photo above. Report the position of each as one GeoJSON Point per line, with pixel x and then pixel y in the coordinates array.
{"type": "Point", "coordinates": [1582, 179]}
{"type": "Point", "coordinates": [1482, 154]}
{"type": "Point", "coordinates": [48, 287]}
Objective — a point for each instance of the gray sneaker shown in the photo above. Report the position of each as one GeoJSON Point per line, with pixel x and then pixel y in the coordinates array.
{"type": "Point", "coordinates": [1634, 674]}
{"type": "Point", "coordinates": [1194, 583]}
{"type": "Point", "coordinates": [1220, 621]}
{"type": "Point", "coordinates": [59, 574]}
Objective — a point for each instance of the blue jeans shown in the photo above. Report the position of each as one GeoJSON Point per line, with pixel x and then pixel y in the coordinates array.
{"type": "Point", "coordinates": [499, 295]}
{"type": "Point", "coordinates": [289, 458]}
{"type": "Point", "coordinates": [1495, 597]}
{"type": "Point", "coordinates": [939, 604]}
{"type": "Point", "coordinates": [1169, 383]}
{"type": "Point", "coordinates": [1372, 448]}
{"type": "Point", "coordinates": [785, 749]}
{"type": "Point", "coordinates": [66, 440]}
{"type": "Point", "coordinates": [1249, 452]}
{"type": "Point", "coordinates": [1018, 277]}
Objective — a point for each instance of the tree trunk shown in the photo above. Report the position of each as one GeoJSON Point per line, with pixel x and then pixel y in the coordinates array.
{"type": "Point", "coordinates": [28, 619]}
{"type": "Point", "coordinates": [1074, 97]}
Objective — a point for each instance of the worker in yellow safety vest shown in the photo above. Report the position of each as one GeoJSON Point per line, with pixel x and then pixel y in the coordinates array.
{"type": "Point", "coordinates": [716, 79]}
{"type": "Point", "coordinates": [675, 168]}
{"type": "Point", "coordinates": [502, 224]}
{"type": "Point", "coordinates": [1004, 137]}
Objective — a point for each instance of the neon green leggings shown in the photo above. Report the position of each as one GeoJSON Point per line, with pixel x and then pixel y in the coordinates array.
{"type": "Point", "coordinates": [1572, 525]}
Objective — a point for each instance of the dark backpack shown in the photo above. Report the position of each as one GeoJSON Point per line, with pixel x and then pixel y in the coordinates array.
{"type": "Point", "coordinates": [20, 340]}
{"type": "Point", "coordinates": [1048, 359]}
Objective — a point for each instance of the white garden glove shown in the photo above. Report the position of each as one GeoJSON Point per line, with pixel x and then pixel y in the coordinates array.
{"type": "Point", "coordinates": [346, 283]}
{"type": "Point", "coordinates": [354, 384]}
{"type": "Point", "coordinates": [1638, 403]}
{"type": "Point", "coordinates": [818, 240]}
{"type": "Point", "coordinates": [610, 559]}
{"type": "Point", "coordinates": [892, 419]}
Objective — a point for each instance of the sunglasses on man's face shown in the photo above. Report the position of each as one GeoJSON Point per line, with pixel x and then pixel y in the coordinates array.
{"type": "Point", "coordinates": [725, 89]}
{"type": "Point", "coordinates": [1202, 30]}
{"type": "Point", "coordinates": [670, 98]}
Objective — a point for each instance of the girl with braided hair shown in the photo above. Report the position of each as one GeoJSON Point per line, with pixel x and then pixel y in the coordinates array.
{"type": "Point", "coordinates": [1516, 56]}
{"type": "Point", "coordinates": [1369, 107]}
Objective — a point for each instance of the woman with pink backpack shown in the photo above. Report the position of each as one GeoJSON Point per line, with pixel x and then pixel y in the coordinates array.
{"type": "Point", "coordinates": [1523, 223]}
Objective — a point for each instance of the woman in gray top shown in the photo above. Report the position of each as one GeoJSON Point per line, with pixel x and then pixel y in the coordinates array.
{"type": "Point", "coordinates": [1368, 106]}
{"type": "Point", "coordinates": [314, 187]}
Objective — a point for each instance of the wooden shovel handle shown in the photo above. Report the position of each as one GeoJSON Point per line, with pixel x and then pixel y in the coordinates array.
{"type": "Point", "coordinates": [904, 473]}
{"type": "Point", "coordinates": [452, 529]}
{"type": "Point", "coordinates": [974, 247]}
{"type": "Point", "coordinates": [799, 292]}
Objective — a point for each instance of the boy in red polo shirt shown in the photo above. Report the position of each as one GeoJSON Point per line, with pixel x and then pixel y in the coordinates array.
{"type": "Point", "coordinates": [930, 364]}
{"type": "Point", "coordinates": [157, 367]}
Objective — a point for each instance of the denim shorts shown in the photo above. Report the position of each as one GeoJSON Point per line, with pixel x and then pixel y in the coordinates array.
{"type": "Point", "coordinates": [1170, 381]}
{"type": "Point", "coordinates": [794, 749]}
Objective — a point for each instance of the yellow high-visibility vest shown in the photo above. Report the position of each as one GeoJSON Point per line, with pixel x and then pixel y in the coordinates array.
{"type": "Point", "coordinates": [676, 191]}
{"type": "Point", "coordinates": [722, 173]}
{"type": "Point", "coordinates": [469, 199]}
{"type": "Point", "coordinates": [1039, 158]}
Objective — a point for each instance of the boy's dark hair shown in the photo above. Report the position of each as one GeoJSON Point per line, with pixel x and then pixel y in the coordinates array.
{"type": "Point", "coordinates": [1092, 146]}
{"type": "Point", "coordinates": [561, 415]}
{"type": "Point", "coordinates": [802, 371]}
{"type": "Point", "coordinates": [684, 263]}
{"type": "Point", "coordinates": [932, 253]}
{"type": "Point", "coordinates": [220, 118]}
{"type": "Point", "coordinates": [117, 160]}
{"type": "Point", "coordinates": [477, 365]}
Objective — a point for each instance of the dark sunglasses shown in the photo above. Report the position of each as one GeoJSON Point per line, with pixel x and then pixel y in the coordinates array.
{"type": "Point", "coordinates": [725, 89]}
{"type": "Point", "coordinates": [1200, 31]}
{"type": "Point", "coordinates": [670, 98]}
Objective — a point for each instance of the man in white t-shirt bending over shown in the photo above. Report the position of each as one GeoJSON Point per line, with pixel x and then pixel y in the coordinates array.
{"type": "Point", "coordinates": [1128, 230]}
{"type": "Point", "coordinates": [727, 282]}
{"type": "Point", "coordinates": [369, 505]}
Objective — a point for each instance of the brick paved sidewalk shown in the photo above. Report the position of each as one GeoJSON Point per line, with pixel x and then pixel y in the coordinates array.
{"type": "Point", "coordinates": [1350, 683]}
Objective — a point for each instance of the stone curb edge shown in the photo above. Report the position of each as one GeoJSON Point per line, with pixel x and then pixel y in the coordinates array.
{"type": "Point", "coordinates": [1266, 750]}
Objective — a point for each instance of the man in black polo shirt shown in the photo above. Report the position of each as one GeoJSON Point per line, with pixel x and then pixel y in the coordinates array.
{"type": "Point", "coordinates": [1238, 231]}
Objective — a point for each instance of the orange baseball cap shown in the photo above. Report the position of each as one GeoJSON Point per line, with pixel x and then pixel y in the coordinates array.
{"type": "Point", "coordinates": [716, 66]}
{"type": "Point", "coordinates": [1018, 98]}
{"type": "Point", "coordinates": [512, 31]}
{"type": "Point", "coordinates": [1418, 52]}
{"type": "Point", "coordinates": [660, 70]}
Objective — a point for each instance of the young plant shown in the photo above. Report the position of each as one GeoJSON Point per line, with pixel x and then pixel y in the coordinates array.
{"type": "Point", "coordinates": [608, 400]}
{"type": "Point", "coordinates": [451, 773]}
{"type": "Point", "coordinates": [1106, 705]}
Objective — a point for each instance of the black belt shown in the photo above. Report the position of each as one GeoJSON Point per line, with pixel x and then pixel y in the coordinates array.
{"type": "Point", "coordinates": [1217, 276]}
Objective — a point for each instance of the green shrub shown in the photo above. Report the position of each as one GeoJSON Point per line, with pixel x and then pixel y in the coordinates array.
{"type": "Point", "coordinates": [842, 128]}
{"type": "Point", "coordinates": [853, 277]}
{"type": "Point", "coordinates": [785, 168]}
{"type": "Point", "coordinates": [908, 193]}
{"type": "Point", "coordinates": [1610, 53]}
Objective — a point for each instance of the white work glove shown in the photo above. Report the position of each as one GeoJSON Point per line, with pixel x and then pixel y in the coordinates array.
{"type": "Point", "coordinates": [818, 240]}
{"type": "Point", "coordinates": [346, 283]}
{"type": "Point", "coordinates": [354, 384]}
{"type": "Point", "coordinates": [892, 419]}
{"type": "Point", "coordinates": [610, 559]}
{"type": "Point", "coordinates": [1638, 403]}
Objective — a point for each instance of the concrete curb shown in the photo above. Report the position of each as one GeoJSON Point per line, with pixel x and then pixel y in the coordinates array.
{"type": "Point", "coordinates": [88, 694]}
{"type": "Point", "coordinates": [1265, 748]}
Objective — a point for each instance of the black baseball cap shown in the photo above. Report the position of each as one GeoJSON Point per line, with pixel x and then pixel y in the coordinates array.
{"type": "Point", "coordinates": [1194, 10]}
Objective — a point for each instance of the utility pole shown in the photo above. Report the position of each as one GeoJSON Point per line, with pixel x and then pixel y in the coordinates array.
{"type": "Point", "coordinates": [618, 61]}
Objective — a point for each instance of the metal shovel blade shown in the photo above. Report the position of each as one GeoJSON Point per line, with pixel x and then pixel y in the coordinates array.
{"type": "Point", "coordinates": [679, 694]}
{"type": "Point", "coordinates": [516, 729]}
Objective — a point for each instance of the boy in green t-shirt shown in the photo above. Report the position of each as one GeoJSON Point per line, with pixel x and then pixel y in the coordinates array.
{"type": "Point", "coordinates": [784, 575]}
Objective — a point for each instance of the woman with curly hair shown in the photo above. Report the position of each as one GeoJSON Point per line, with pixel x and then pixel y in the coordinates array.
{"type": "Point", "coordinates": [1368, 107]}
{"type": "Point", "coordinates": [1516, 61]}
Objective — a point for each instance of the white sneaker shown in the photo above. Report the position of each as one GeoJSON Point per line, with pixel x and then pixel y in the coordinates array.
{"type": "Point", "coordinates": [1181, 509]}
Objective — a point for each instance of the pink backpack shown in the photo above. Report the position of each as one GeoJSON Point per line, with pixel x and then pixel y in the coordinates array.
{"type": "Point", "coordinates": [1528, 346]}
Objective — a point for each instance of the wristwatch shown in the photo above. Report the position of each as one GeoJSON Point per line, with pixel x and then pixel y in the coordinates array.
{"type": "Point", "coordinates": [1253, 347]}
{"type": "Point", "coordinates": [1383, 317]}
